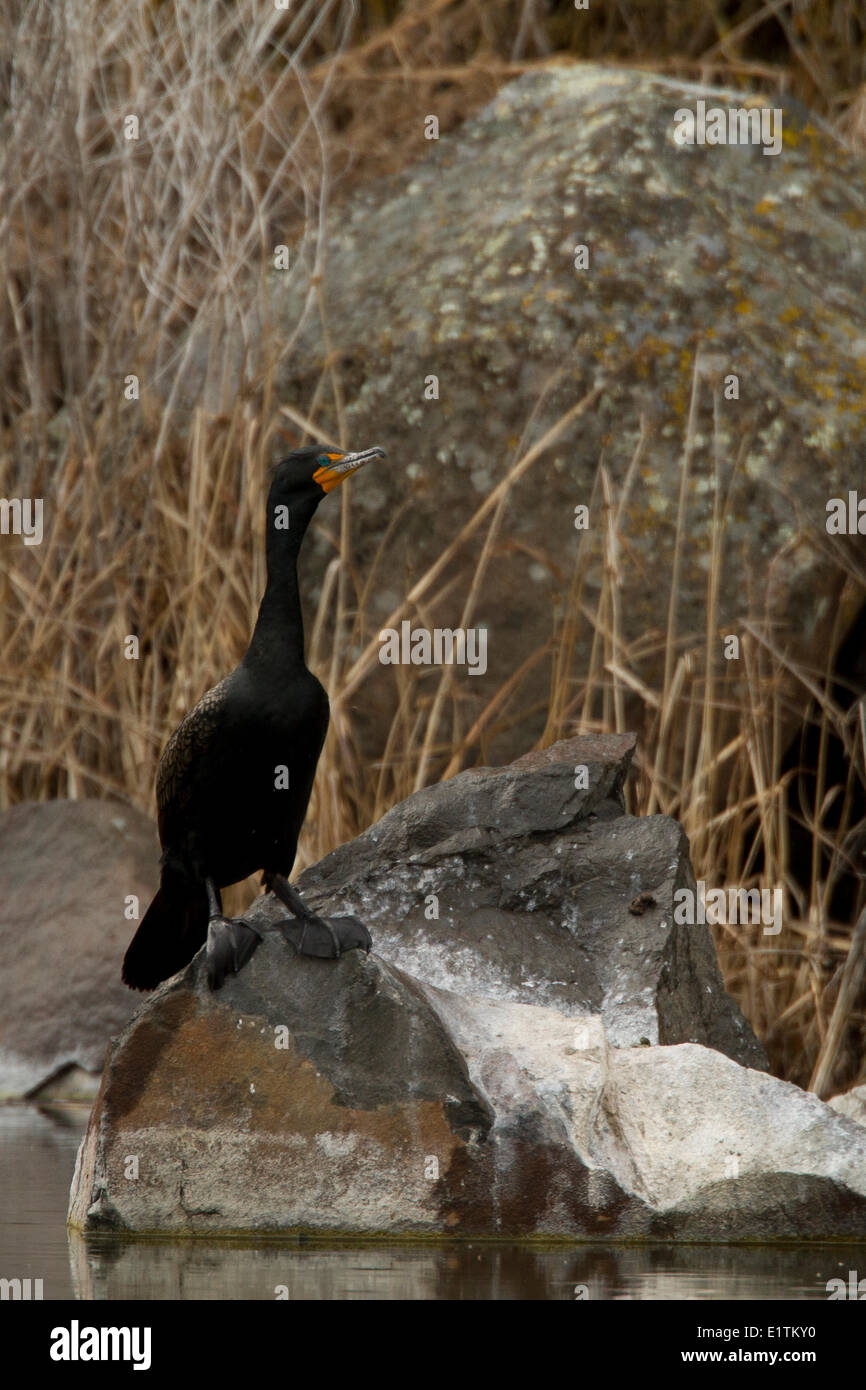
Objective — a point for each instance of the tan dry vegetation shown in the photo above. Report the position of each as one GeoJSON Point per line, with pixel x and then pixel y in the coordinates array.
{"type": "Point", "coordinates": [123, 257]}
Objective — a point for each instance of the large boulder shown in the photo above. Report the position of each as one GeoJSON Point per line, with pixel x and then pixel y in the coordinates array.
{"type": "Point", "coordinates": [463, 1079]}
{"type": "Point", "coordinates": [68, 869]}
{"type": "Point", "coordinates": [463, 267]}
{"type": "Point", "coordinates": [312, 1096]}
{"type": "Point", "coordinates": [512, 883]}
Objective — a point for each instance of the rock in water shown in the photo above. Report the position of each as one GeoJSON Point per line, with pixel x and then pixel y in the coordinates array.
{"type": "Point", "coordinates": [315, 1097]}
{"type": "Point", "coordinates": [68, 869]}
{"type": "Point", "coordinates": [304, 1094]}
{"type": "Point", "coordinates": [355, 1097]}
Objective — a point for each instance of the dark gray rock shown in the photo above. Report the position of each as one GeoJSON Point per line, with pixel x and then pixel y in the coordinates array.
{"type": "Point", "coordinates": [535, 886]}
{"type": "Point", "coordinates": [66, 869]}
{"type": "Point", "coordinates": [463, 267]}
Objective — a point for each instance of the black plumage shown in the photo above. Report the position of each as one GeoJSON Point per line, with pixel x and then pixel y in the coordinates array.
{"type": "Point", "coordinates": [235, 778]}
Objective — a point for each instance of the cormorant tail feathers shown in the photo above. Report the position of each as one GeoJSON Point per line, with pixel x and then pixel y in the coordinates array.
{"type": "Point", "coordinates": [170, 933]}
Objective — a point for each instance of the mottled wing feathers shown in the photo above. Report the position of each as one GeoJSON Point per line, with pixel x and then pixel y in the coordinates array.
{"type": "Point", "coordinates": [189, 744]}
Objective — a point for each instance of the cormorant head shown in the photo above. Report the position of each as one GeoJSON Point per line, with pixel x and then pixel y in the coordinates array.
{"type": "Point", "coordinates": [317, 469]}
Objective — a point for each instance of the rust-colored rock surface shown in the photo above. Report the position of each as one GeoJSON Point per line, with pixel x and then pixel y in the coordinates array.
{"type": "Point", "coordinates": [306, 1094]}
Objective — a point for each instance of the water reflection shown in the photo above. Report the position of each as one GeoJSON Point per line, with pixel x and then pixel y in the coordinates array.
{"type": "Point", "coordinates": [37, 1154]}
{"type": "Point", "coordinates": [38, 1145]}
{"type": "Point", "coordinates": [111, 1268]}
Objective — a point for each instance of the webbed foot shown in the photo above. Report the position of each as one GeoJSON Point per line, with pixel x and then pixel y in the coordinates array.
{"type": "Point", "coordinates": [327, 937]}
{"type": "Point", "coordinates": [230, 943]}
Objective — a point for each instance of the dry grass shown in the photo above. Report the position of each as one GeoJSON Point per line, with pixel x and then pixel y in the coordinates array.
{"type": "Point", "coordinates": [138, 257]}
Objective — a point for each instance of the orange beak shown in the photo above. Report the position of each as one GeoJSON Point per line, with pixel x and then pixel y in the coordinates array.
{"type": "Point", "coordinates": [342, 466]}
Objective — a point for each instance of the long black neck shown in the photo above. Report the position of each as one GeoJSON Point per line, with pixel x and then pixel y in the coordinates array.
{"type": "Point", "coordinates": [277, 643]}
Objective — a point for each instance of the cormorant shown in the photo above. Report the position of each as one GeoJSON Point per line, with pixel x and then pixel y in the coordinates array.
{"type": "Point", "coordinates": [235, 777]}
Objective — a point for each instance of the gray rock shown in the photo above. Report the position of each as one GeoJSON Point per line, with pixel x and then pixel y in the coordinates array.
{"type": "Point", "coordinates": [362, 1096]}
{"type": "Point", "coordinates": [852, 1103]}
{"type": "Point", "coordinates": [66, 868]}
{"type": "Point", "coordinates": [400, 1109]}
{"type": "Point", "coordinates": [463, 267]}
{"type": "Point", "coordinates": [355, 1097]}
{"type": "Point", "coordinates": [232, 1130]}
{"type": "Point", "coordinates": [670, 1142]}
{"type": "Point", "coordinates": [71, 1083]}
{"type": "Point", "coordinates": [545, 895]}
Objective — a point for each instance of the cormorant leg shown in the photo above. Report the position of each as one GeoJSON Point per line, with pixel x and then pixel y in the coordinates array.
{"type": "Point", "coordinates": [230, 941]}
{"type": "Point", "coordinates": [312, 935]}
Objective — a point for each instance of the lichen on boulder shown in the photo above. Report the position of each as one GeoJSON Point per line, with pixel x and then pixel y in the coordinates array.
{"type": "Point", "coordinates": [705, 264]}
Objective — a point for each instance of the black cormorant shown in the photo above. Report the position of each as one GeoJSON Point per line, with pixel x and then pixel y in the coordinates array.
{"type": "Point", "coordinates": [235, 778]}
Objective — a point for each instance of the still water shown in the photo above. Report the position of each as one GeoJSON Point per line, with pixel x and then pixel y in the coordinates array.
{"type": "Point", "coordinates": [37, 1154]}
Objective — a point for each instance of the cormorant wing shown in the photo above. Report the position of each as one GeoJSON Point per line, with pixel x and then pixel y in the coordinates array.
{"type": "Point", "coordinates": [185, 754]}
